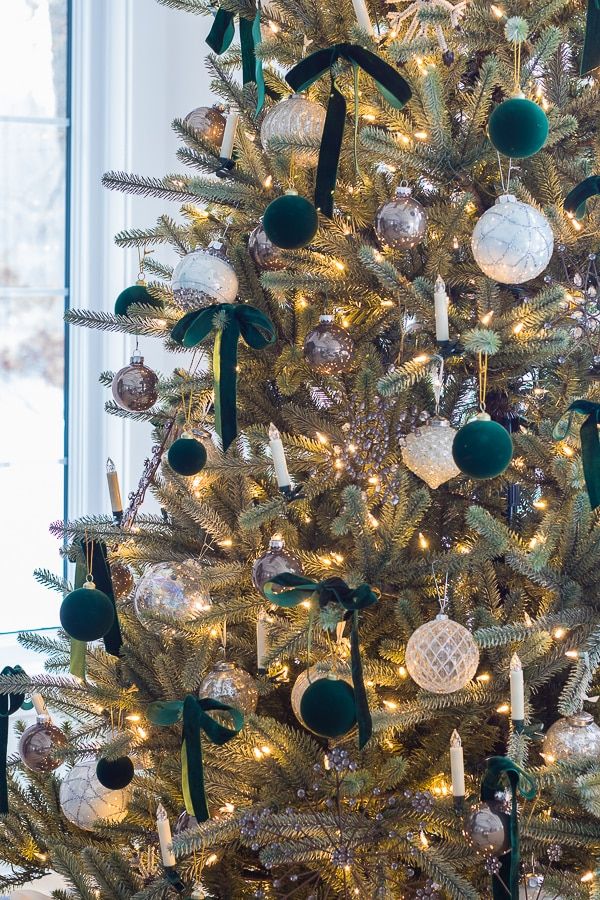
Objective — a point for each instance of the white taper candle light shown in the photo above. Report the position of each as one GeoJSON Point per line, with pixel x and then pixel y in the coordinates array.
{"type": "Point", "coordinates": [226, 151]}
{"type": "Point", "coordinates": [457, 765]}
{"type": "Point", "coordinates": [164, 836]}
{"type": "Point", "coordinates": [440, 299]}
{"type": "Point", "coordinates": [39, 705]}
{"type": "Point", "coordinates": [278, 455]}
{"type": "Point", "coordinates": [112, 477]}
{"type": "Point", "coordinates": [362, 15]}
{"type": "Point", "coordinates": [517, 690]}
{"type": "Point", "coordinates": [263, 620]}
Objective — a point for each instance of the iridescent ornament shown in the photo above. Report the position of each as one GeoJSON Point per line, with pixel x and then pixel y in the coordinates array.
{"type": "Point", "coordinates": [487, 828]}
{"type": "Point", "coordinates": [291, 121]}
{"type": "Point", "coordinates": [428, 452]}
{"type": "Point", "coordinates": [263, 252]}
{"type": "Point", "coordinates": [232, 685]}
{"type": "Point", "coordinates": [323, 701]}
{"type": "Point", "coordinates": [441, 656]}
{"type": "Point", "coordinates": [209, 122]}
{"type": "Point", "coordinates": [135, 386]}
{"type": "Point", "coordinates": [573, 736]}
{"type": "Point", "coordinates": [204, 277]}
{"type": "Point", "coordinates": [401, 223]}
{"type": "Point", "coordinates": [122, 580]}
{"type": "Point", "coordinates": [85, 802]}
{"type": "Point", "coordinates": [328, 348]}
{"type": "Point", "coordinates": [512, 242]}
{"type": "Point", "coordinates": [171, 589]}
{"type": "Point", "coordinates": [275, 561]}
{"type": "Point", "coordinates": [40, 745]}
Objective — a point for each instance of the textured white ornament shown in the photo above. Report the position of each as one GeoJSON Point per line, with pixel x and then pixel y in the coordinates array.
{"type": "Point", "coordinates": [294, 119]}
{"type": "Point", "coordinates": [84, 801]}
{"type": "Point", "coordinates": [512, 242]}
{"type": "Point", "coordinates": [428, 452]}
{"type": "Point", "coordinates": [204, 277]}
{"type": "Point", "coordinates": [441, 656]}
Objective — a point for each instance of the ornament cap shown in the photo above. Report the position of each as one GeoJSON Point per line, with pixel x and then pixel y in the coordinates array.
{"type": "Point", "coordinates": [89, 585]}
{"type": "Point", "coordinates": [518, 95]}
{"type": "Point", "coordinates": [438, 422]}
{"type": "Point", "coordinates": [136, 358]}
{"type": "Point", "coordinates": [217, 248]}
{"type": "Point", "coordinates": [482, 417]}
{"type": "Point", "coordinates": [326, 318]}
{"type": "Point", "coordinates": [403, 190]}
{"type": "Point", "coordinates": [581, 719]}
{"type": "Point", "coordinates": [292, 192]}
{"type": "Point", "coordinates": [506, 198]}
{"type": "Point", "coordinates": [276, 542]}
{"type": "Point", "coordinates": [441, 617]}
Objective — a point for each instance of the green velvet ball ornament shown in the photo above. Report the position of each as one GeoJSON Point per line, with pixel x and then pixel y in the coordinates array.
{"type": "Point", "coordinates": [482, 448]}
{"type": "Point", "coordinates": [290, 221]}
{"type": "Point", "coordinates": [328, 707]}
{"type": "Point", "coordinates": [136, 294]}
{"type": "Point", "coordinates": [87, 614]}
{"type": "Point", "coordinates": [518, 128]}
{"type": "Point", "coordinates": [187, 456]}
{"type": "Point", "coordinates": [115, 774]}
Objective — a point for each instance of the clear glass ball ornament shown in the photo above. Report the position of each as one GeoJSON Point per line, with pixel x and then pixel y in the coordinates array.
{"type": "Point", "coordinates": [486, 828]}
{"type": "Point", "coordinates": [512, 242]}
{"type": "Point", "coordinates": [428, 452]}
{"type": "Point", "coordinates": [328, 348]}
{"type": "Point", "coordinates": [84, 801]}
{"type": "Point", "coordinates": [441, 656]}
{"type": "Point", "coordinates": [401, 223]}
{"type": "Point", "coordinates": [275, 561]}
{"type": "Point", "coordinates": [533, 889]}
{"type": "Point", "coordinates": [295, 119]}
{"type": "Point", "coordinates": [232, 685]}
{"type": "Point", "coordinates": [209, 122]}
{"type": "Point", "coordinates": [263, 252]}
{"type": "Point", "coordinates": [40, 746]}
{"type": "Point", "coordinates": [173, 590]}
{"type": "Point", "coordinates": [204, 277]}
{"type": "Point", "coordinates": [134, 387]}
{"type": "Point", "coordinates": [308, 677]}
{"type": "Point", "coordinates": [573, 736]}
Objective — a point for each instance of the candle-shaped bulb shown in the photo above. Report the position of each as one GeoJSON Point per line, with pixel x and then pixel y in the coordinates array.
{"type": "Point", "coordinates": [440, 284]}
{"type": "Point", "coordinates": [515, 663]}
{"type": "Point", "coordinates": [362, 15]}
{"type": "Point", "coordinates": [231, 122]}
{"type": "Point", "coordinates": [110, 466]}
{"type": "Point", "coordinates": [273, 432]}
{"type": "Point", "coordinates": [161, 813]}
{"type": "Point", "coordinates": [263, 620]}
{"type": "Point", "coordinates": [40, 706]}
{"type": "Point", "coordinates": [116, 503]}
{"type": "Point", "coordinates": [457, 765]}
{"type": "Point", "coordinates": [164, 836]}
{"type": "Point", "coordinates": [440, 299]}
{"type": "Point", "coordinates": [278, 456]}
{"type": "Point", "coordinates": [455, 740]}
{"type": "Point", "coordinates": [517, 693]}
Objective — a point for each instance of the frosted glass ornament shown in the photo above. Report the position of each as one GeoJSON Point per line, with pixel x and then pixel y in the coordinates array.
{"type": "Point", "coordinates": [441, 656]}
{"type": "Point", "coordinates": [232, 685]}
{"type": "Point", "coordinates": [84, 801]}
{"type": "Point", "coordinates": [512, 242]}
{"type": "Point", "coordinates": [294, 119]}
{"type": "Point", "coordinates": [204, 277]}
{"type": "Point", "coordinates": [171, 589]}
{"type": "Point", "coordinates": [428, 452]}
{"type": "Point", "coordinates": [573, 736]}
{"type": "Point", "coordinates": [401, 223]}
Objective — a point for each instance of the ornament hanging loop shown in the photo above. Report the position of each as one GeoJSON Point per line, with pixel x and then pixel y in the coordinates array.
{"type": "Point", "coordinates": [442, 596]}
{"type": "Point", "coordinates": [483, 375]}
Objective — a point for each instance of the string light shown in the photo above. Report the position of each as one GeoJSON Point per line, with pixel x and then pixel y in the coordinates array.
{"type": "Point", "coordinates": [421, 135]}
{"type": "Point", "coordinates": [497, 11]}
{"type": "Point", "coordinates": [518, 328]}
{"type": "Point", "coordinates": [503, 708]}
{"type": "Point", "coordinates": [267, 183]}
{"type": "Point", "coordinates": [487, 318]}
{"type": "Point", "coordinates": [423, 542]}
{"type": "Point", "coordinates": [485, 676]}
{"type": "Point", "coordinates": [211, 860]}
{"type": "Point", "coordinates": [340, 266]}
{"type": "Point", "coordinates": [390, 704]}
{"type": "Point", "coordinates": [402, 672]}
{"type": "Point", "coordinates": [322, 438]}
{"type": "Point", "coordinates": [566, 450]}
{"type": "Point", "coordinates": [559, 633]}
{"type": "Point", "coordinates": [274, 27]}
{"type": "Point", "coordinates": [540, 504]}
{"type": "Point", "coordinates": [587, 876]}
{"type": "Point", "coordinates": [572, 654]}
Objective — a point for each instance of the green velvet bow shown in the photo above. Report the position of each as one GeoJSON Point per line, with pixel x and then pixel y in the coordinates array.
{"type": "Point", "coordinates": [575, 200]}
{"type": "Point", "coordinates": [590, 58]}
{"type": "Point", "coordinates": [196, 720]}
{"type": "Point", "coordinates": [9, 704]}
{"type": "Point", "coordinates": [332, 590]}
{"type": "Point", "coordinates": [390, 84]}
{"type": "Point", "coordinates": [505, 885]}
{"type": "Point", "coordinates": [220, 37]}
{"type": "Point", "coordinates": [590, 444]}
{"type": "Point", "coordinates": [236, 319]}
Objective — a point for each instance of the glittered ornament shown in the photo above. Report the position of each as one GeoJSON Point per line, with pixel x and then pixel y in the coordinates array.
{"type": "Point", "coordinates": [295, 120]}
{"type": "Point", "coordinates": [122, 580]}
{"type": "Point", "coordinates": [487, 828]}
{"type": "Point", "coordinates": [512, 242]}
{"type": "Point", "coordinates": [401, 223]}
{"type": "Point", "coordinates": [134, 387]}
{"type": "Point", "coordinates": [428, 452]}
{"type": "Point", "coordinates": [208, 122]}
{"type": "Point", "coordinates": [323, 701]}
{"type": "Point", "coordinates": [187, 456]}
{"type": "Point", "coordinates": [171, 589]}
{"type": "Point", "coordinates": [328, 348]}
{"type": "Point", "coordinates": [115, 774]}
{"type": "Point", "coordinates": [572, 737]}
{"type": "Point", "coordinates": [441, 656]}
{"type": "Point", "coordinates": [40, 745]}
{"type": "Point", "coordinates": [85, 802]}
{"type": "Point", "coordinates": [275, 561]}
{"type": "Point", "coordinates": [482, 448]}
{"type": "Point", "coordinates": [136, 295]}
{"type": "Point", "coordinates": [231, 685]}
{"type": "Point", "coordinates": [204, 277]}
{"type": "Point", "coordinates": [263, 252]}
{"type": "Point", "coordinates": [87, 614]}
{"type": "Point", "coordinates": [518, 127]}
{"type": "Point", "coordinates": [290, 221]}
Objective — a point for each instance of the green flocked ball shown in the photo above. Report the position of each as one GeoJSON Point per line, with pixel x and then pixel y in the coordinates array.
{"type": "Point", "coordinates": [187, 456]}
{"type": "Point", "coordinates": [290, 222]}
{"type": "Point", "coordinates": [115, 774]}
{"type": "Point", "coordinates": [328, 707]}
{"type": "Point", "coordinates": [482, 449]}
{"type": "Point", "coordinates": [518, 128]}
{"type": "Point", "coordinates": [87, 614]}
{"type": "Point", "coordinates": [136, 294]}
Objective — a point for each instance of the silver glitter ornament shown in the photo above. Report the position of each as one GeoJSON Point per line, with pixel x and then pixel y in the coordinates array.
{"type": "Point", "coordinates": [401, 223]}
{"type": "Point", "coordinates": [441, 656]}
{"type": "Point", "coordinates": [294, 120]}
{"type": "Point", "coordinates": [134, 387]}
{"type": "Point", "coordinates": [204, 277]}
{"type": "Point", "coordinates": [275, 561]}
{"type": "Point", "coordinates": [170, 589]}
{"type": "Point", "coordinates": [573, 736]}
{"type": "Point", "coordinates": [512, 242]}
{"type": "Point", "coordinates": [487, 828]}
{"type": "Point", "coordinates": [328, 349]}
{"type": "Point", "coordinates": [232, 685]}
{"type": "Point", "coordinates": [209, 122]}
{"type": "Point", "coordinates": [428, 452]}
{"type": "Point", "coordinates": [84, 801]}
{"type": "Point", "coordinates": [263, 252]}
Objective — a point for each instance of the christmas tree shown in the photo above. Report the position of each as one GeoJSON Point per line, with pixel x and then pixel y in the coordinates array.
{"type": "Point", "coordinates": [355, 653]}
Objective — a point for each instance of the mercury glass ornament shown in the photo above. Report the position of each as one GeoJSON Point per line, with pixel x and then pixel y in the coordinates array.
{"type": "Point", "coordinates": [84, 801]}
{"type": "Point", "coordinates": [263, 252]}
{"type": "Point", "coordinates": [122, 580]}
{"type": "Point", "coordinates": [232, 685]}
{"type": "Point", "coordinates": [573, 736]}
{"type": "Point", "coordinates": [293, 120]}
{"type": "Point", "coordinates": [401, 223]}
{"type": "Point", "coordinates": [428, 452]}
{"type": "Point", "coordinates": [171, 589]}
{"type": "Point", "coordinates": [328, 349]}
{"type": "Point", "coordinates": [204, 277]}
{"type": "Point", "coordinates": [275, 561]}
{"type": "Point", "coordinates": [135, 386]}
{"type": "Point", "coordinates": [209, 122]}
{"type": "Point", "coordinates": [441, 656]}
{"type": "Point", "coordinates": [40, 745]}
{"type": "Point", "coordinates": [512, 242]}
{"type": "Point", "coordinates": [487, 828]}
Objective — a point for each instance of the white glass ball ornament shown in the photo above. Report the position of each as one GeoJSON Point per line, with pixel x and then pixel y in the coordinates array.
{"type": "Point", "coordinates": [204, 277]}
{"type": "Point", "coordinates": [573, 736]}
{"type": "Point", "coordinates": [170, 589]}
{"type": "Point", "coordinates": [512, 242]}
{"type": "Point", "coordinates": [84, 801]}
{"type": "Point", "coordinates": [294, 119]}
{"type": "Point", "coordinates": [441, 656]}
{"type": "Point", "coordinates": [232, 685]}
{"type": "Point", "coordinates": [428, 452]}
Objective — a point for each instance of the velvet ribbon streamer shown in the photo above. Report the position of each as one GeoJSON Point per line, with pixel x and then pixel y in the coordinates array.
{"type": "Point", "coordinates": [575, 201]}
{"type": "Point", "coordinates": [333, 590]}
{"type": "Point", "coordinates": [9, 704]}
{"type": "Point", "coordinates": [220, 37]}
{"type": "Point", "coordinates": [196, 720]}
{"type": "Point", "coordinates": [391, 85]}
{"type": "Point", "coordinates": [590, 58]}
{"type": "Point", "coordinates": [590, 444]}
{"type": "Point", "coordinates": [505, 885]}
{"type": "Point", "coordinates": [232, 320]}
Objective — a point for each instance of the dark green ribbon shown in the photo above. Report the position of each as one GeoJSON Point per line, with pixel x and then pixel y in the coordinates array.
{"type": "Point", "coordinates": [196, 720]}
{"type": "Point", "coordinates": [590, 58]}
{"type": "Point", "coordinates": [391, 85]}
{"type": "Point", "coordinates": [505, 885]}
{"type": "Point", "coordinates": [9, 704]}
{"type": "Point", "coordinates": [239, 319]}
{"type": "Point", "coordinates": [575, 201]}
{"type": "Point", "coordinates": [220, 37]}
{"type": "Point", "coordinates": [333, 590]}
{"type": "Point", "coordinates": [590, 444]}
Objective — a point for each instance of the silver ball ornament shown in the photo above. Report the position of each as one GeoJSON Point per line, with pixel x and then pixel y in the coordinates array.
{"type": "Point", "coordinates": [428, 452]}
{"type": "Point", "coordinates": [263, 252]}
{"type": "Point", "coordinates": [275, 561]}
{"type": "Point", "coordinates": [204, 277]}
{"type": "Point", "coordinates": [487, 829]}
{"type": "Point", "coordinates": [328, 348]}
{"type": "Point", "coordinates": [134, 387]}
{"type": "Point", "coordinates": [573, 736]}
{"type": "Point", "coordinates": [441, 656]}
{"type": "Point", "coordinates": [294, 120]}
{"type": "Point", "coordinates": [40, 746]}
{"type": "Point", "coordinates": [170, 589]}
{"type": "Point", "coordinates": [401, 223]}
{"type": "Point", "coordinates": [85, 802]}
{"type": "Point", "coordinates": [512, 242]}
{"type": "Point", "coordinates": [232, 685]}
{"type": "Point", "coordinates": [209, 122]}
